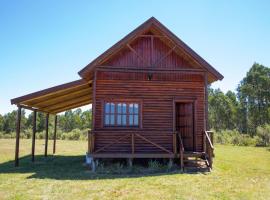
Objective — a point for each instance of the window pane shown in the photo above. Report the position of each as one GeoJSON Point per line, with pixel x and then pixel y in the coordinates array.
{"type": "Point", "coordinates": [107, 119]}
{"type": "Point", "coordinates": [112, 119]}
{"type": "Point", "coordinates": [118, 119]}
{"type": "Point", "coordinates": [136, 108]}
{"type": "Point", "coordinates": [124, 108]}
{"type": "Point", "coordinates": [136, 120]}
{"type": "Point", "coordinates": [107, 108]}
{"type": "Point", "coordinates": [124, 119]}
{"type": "Point", "coordinates": [131, 120]}
{"type": "Point", "coordinates": [131, 108]}
{"type": "Point", "coordinates": [119, 106]}
{"type": "Point", "coordinates": [112, 108]}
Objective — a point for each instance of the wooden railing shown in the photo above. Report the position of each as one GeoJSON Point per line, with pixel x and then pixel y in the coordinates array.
{"type": "Point", "coordinates": [181, 151]}
{"type": "Point", "coordinates": [132, 136]}
{"type": "Point", "coordinates": [208, 146]}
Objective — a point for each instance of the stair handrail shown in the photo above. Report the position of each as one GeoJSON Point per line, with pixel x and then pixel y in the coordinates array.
{"type": "Point", "coordinates": [181, 150]}
{"type": "Point", "coordinates": [208, 138]}
{"type": "Point", "coordinates": [209, 147]}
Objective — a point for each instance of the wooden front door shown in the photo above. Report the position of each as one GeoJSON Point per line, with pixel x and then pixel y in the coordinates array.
{"type": "Point", "coordinates": [185, 123]}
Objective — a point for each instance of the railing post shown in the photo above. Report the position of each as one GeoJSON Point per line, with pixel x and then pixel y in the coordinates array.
{"type": "Point", "coordinates": [204, 142]}
{"type": "Point", "coordinates": [212, 137]}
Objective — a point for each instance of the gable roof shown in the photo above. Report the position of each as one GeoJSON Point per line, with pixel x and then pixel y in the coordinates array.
{"type": "Point", "coordinates": [84, 73]}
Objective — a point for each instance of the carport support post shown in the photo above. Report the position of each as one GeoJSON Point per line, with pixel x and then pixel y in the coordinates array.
{"type": "Point", "coordinates": [34, 134]}
{"type": "Point", "coordinates": [54, 134]}
{"type": "Point", "coordinates": [18, 129]}
{"type": "Point", "coordinates": [46, 134]}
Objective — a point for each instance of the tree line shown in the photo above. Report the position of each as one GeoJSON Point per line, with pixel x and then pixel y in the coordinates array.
{"type": "Point", "coordinates": [247, 110]}
{"type": "Point", "coordinates": [67, 122]}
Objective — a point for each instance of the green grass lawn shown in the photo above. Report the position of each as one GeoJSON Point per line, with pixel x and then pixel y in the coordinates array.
{"type": "Point", "coordinates": [239, 173]}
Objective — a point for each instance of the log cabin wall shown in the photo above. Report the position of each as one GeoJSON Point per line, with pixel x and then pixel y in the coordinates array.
{"type": "Point", "coordinates": [153, 73]}
{"type": "Point", "coordinates": [156, 98]}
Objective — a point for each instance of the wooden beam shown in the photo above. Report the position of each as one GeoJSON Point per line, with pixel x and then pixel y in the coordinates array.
{"type": "Point", "coordinates": [31, 108]}
{"type": "Point", "coordinates": [54, 134]}
{"type": "Point", "coordinates": [135, 52]}
{"type": "Point", "coordinates": [141, 69]}
{"type": "Point", "coordinates": [129, 155]}
{"type": "Point", "coordinates": [54, 100]}
{"type": "Point", "coordinates": [34, 134]}
{"type": "Point", "coordinates": [68, 107]}
{"type": "Point", "coordinates": [165, 56]}
{"type": "Point", "coordinates": [18, 129]}
{"type": "Point", "coordinates": [67, 102]}
{"type": "Point", "coordinates": [116, 141]}
{"type": "Point", "coordinates": [49, 91]}
{"type": "Point", "coordinates": [154, 144]}
{"type": "Point", "coordinates": [46, 134]}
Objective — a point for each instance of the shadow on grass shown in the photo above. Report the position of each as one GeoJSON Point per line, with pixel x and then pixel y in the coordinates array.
{"type": "Point", "coordinates": [67, 168]}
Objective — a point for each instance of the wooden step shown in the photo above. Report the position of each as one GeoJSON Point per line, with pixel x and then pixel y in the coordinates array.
{"type": "Point", "coordinates": [194, 154]}
{"type": "Point", "coordinates": [196, 169]}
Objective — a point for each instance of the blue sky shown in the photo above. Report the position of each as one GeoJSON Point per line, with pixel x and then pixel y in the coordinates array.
{"type": "Point", "coordinates": [45, 43]}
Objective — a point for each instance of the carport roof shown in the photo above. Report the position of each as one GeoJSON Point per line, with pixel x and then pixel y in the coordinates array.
{"type": "Point", "coordinates": [59, 98]}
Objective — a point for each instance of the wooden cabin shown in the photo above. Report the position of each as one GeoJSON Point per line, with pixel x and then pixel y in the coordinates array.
{"type": "Point", "coordinates": [148, 94]}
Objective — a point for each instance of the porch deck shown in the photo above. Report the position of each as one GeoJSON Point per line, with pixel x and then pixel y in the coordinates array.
{"type": "Point", "coordinates": [178, 149]}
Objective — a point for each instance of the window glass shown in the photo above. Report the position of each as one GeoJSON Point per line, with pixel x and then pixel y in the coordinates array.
{"type": "Point", "coordinates": [112, 108]}
{"type": "Point", "coordinates": [124, 108]}
{"type": "Point", "coordinates": [131, 108]}
{"type": "Point", "coordinates": [124, 119]}
{"type": "Point", "coordinates": [121, 114]}
{"type": "Point", "coordinates": [107, 108]}
{"type": "Point", "coordinates": [131, 120]}
{"type": "Point", "coordinates": [119, 108]}
{"type": "Point", "coordinates": [112, 119]}
{"type": "Point", "coordinates": [136, 120]}
{"type": "Point", "coordinates": [136, 108]}
{"type": "Point", "coordinates": [119, 120]}
{"type": "Point", "coordinates": [107, 119]}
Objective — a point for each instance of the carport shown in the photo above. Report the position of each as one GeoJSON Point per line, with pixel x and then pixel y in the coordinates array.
{"type": "Point", "coordinates": [51, 101]}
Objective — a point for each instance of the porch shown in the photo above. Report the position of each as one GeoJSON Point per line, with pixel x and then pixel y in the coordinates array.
{"type": "Point", "coordinates": [133, 148]}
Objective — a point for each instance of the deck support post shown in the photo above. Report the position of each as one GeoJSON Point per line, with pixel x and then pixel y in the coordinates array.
{"type": "Point", "coordinates": [46, 134]}
{"type": "Point", "coordinates": [170, 163]}
{"type": "Point", "coordinates": [54, 134]}
{"type": "Point", "coordinates": [93, 165]}
{"type": "Point", "coordinates": [130, 162]}
{"type": "Point", "coordinates": [34, 134]}
{"type": "Point", "coordinates": [18, 129]}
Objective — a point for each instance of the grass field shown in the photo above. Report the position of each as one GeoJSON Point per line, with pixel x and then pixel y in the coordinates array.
{"type": "Point", "coordinates": [239, 173]}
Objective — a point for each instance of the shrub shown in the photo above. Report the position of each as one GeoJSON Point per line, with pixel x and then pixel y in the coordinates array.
{"type": "Point", "coordinates": [263, 135]}
{"type": "Point", "coordinates": [234, 137]}
{"type": "Point", "coordinates": [72, 135]}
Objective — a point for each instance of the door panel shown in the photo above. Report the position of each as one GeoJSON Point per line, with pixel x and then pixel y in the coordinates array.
{"type": "Point", "coordinates": [185, 124]}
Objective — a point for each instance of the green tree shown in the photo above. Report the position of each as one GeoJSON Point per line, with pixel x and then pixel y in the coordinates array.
{"type": "Point", "coordinates": [254, 96]}
{"type": "Point", "coordinates": [1, 122]}
{"type": "Point", "coordinates": [222, 109]}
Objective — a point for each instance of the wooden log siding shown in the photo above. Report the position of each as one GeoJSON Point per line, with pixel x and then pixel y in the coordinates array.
{"type": "Point", "coordinates": [157, 107]}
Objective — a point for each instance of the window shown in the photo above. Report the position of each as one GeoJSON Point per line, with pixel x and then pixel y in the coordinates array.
{"type": "Point", "coordinates": [121, 114]}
